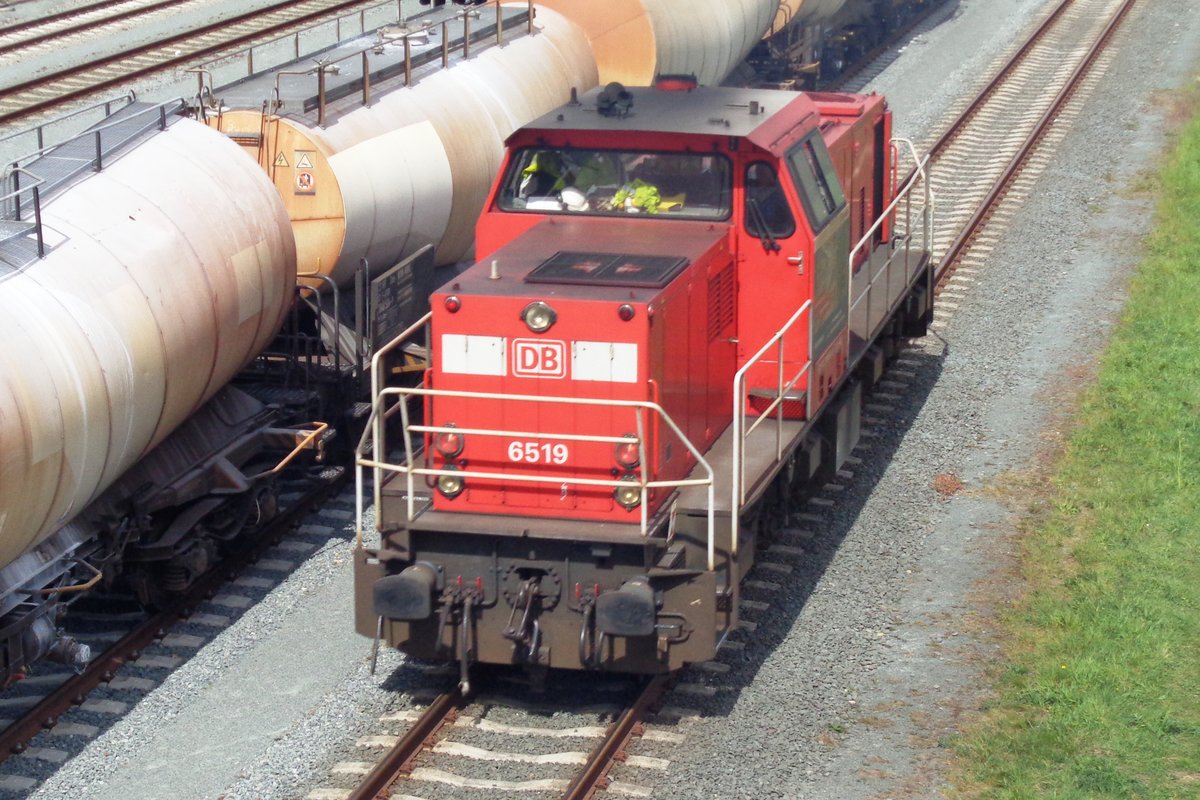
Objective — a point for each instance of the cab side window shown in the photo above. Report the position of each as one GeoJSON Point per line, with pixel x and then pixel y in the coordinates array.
{"type": "Point", "coordinates": [817, 180]}
{"type": "Point", "coordinates": [766, 215]}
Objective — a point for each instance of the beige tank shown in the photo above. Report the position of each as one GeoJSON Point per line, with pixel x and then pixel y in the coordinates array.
{"type": "Point", "coordinates": [171, 269]}
{"type": "Point", "coordinates": [635, 40]}
{"type": "Point", "coordinates": [414, 168]}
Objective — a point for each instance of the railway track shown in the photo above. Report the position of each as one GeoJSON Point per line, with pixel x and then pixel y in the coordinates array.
{"type": "Point", "coordinates": [92, 18]}
{"type": "Point", "coordinates": [59, 703]}
{"type": "Point", "coordinates": [52, 91]}
{"type": "Point", "coordinates": [997, 138]}
{"type": "Point", "coordinates": [510, 747]}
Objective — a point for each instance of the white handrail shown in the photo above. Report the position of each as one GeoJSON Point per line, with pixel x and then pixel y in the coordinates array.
{"type": "Point", "coordinates": [409, 468]}
{"type": "Point", "coordinates": [374, 426]}
{"type": "Point", "coordinates": [927, 210]}
{"type": "Point", "coordinates": [739, 412]}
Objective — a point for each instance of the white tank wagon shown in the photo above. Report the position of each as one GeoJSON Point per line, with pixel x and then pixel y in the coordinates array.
{"type": "Point", "coordinates": [165, 274]}
{"type": "Point", "coordinates": [414, 168]}
{"type": "Point", "coordinates": [634, 41]}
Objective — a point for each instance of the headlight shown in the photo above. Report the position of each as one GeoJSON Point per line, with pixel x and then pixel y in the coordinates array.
{"type": "Point", "coordinates": [538, 316]}
{"type": "Point", "coordinates": [450, 485]}
{"type": "Point", "coordinates": [630, 497]}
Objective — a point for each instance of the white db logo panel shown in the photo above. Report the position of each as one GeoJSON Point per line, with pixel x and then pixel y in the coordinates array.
{"type": "Point", "coordinates": [539, 358]}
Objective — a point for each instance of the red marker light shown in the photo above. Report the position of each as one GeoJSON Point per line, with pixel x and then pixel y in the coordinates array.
{"type": "Point", "coordinates": [449, 444]}
{"type": "Point", "coordinates": [625, 312]}
{"type": "Point", "coordinates": [453, 304]}
{"type": "Point", "coordinates": [627, 454]}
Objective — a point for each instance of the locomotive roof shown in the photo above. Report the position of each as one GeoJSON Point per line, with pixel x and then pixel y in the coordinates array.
{"type": "Point", "coordinates": [745, 113]}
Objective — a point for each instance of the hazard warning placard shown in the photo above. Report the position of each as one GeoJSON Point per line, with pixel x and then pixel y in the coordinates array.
{"type": "Point", "coordinates": [305, 175]}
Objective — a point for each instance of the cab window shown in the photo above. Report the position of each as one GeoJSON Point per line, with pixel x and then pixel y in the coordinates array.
{"type": "Point", "coordinates": [817, 181]}
{"type": "Point", "coordinates": [604, 182]}
{"type": "Point", "coordinates": [767, 215]}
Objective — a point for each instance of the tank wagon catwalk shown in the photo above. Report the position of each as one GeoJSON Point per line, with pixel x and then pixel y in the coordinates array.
{"type": "Point", "coordinates": [678, 299]}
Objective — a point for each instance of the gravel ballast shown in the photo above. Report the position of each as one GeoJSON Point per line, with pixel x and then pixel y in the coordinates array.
{"type": "Point", "coordinates": [871, 649]}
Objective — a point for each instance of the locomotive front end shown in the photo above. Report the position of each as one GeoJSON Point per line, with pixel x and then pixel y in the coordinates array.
{"type": "Point", "coordinates": [567, 402]}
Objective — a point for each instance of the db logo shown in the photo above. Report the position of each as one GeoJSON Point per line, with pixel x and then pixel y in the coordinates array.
{"type": "Point", "coordinates": [539, 358]}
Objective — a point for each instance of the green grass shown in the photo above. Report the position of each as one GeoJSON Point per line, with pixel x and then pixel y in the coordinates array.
{"type": "Point", "coordinates": [1100, 696]}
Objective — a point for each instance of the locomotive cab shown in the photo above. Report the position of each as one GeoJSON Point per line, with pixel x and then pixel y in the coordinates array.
{"type": "Point", "coordinates": [670, 296]}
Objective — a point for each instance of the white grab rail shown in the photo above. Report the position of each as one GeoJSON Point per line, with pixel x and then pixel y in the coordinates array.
{"type": "Point", "coordinates": [741, 432]}
{"type": "Point", "coordinates": [375, 433]}
{"type": "Point", "coordinates": [925, 211]}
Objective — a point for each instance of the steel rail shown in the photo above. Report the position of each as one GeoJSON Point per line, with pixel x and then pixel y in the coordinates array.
{"type": "Point", "coordinates": [1000, 187]}
{"type": "Point", "coordinates": [81, 26]}
{"type": "Point", "coordinates": [184, 58]}
{"type": "Point", "coordinates": [1005, 72]}
{"type": "Point", "coordinates": [46, 19]}
{"type": "Point", "coordinates": [422, 735]}
{"type": "Point", "coordinates": [73, 692]}
{"type": "Point", "coordinates": [594, 775]}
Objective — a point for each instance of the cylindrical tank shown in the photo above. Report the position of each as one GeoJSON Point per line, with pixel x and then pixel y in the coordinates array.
{"type": "Point", "coordinates": [635, 40]}
{"type": "Point", "coordinates": [806, 12]}
{"type": "Point", "coordinates": [415, 167]}
{"type": "Point", "coordinates": [170, 270]}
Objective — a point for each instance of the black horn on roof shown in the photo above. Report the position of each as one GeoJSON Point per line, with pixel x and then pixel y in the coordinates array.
{"type": "Point", "coordinates": [614, 101]}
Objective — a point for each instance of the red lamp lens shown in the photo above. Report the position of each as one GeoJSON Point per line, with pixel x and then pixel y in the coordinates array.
{"type": "Point", "coordinates": [627, 454]}
{"type": "Point", "coordinates": [449, 444]}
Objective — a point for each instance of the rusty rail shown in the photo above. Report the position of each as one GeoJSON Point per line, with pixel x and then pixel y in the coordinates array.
{"type": "Point", "coordinates": [186, 57]}
{"type": "Point", "coordinates": [424, 734]}
{"type": "Point", "coordinates": [67, 30]}
{"type": "Point", "coordinates": [594, 775]}
{"type": "Point", "coordinates": [981, 215]}
{"type": "Point", "coordinates": [46, 714]}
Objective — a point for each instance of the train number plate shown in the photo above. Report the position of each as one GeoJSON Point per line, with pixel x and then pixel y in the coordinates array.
{"type": "Point", "coordinates": [538, 452]}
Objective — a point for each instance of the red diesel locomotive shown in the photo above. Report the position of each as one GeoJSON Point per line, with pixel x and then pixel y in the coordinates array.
{"type": "Point", "coordinates": [679, 296]}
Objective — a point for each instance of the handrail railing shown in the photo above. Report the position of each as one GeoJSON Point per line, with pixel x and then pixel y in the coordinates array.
{"type": "Point", "coordinates": [17, 167]}
{"type": "Point", "coordinates": [376, 421]}
{"type": "Point", "coordinates": [96, 132]}
{"type": "Point", "coordinates": [373, 438]}
{"type": "Point", "coordinates": [740, 432]}
{"type": "Point", "coordinates": [405, 37]}
{"type": "Point", "coordinates": [15, 196]}
{"type": "Point", "coordinates": [924, 212]}
{"type": "Point", "coordinates": [39, 131]}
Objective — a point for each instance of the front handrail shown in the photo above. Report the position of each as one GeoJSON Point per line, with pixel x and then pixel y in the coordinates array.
{"type": "Point", "coordinates": [741, 432]}
{"type": "Point", "coordinates": [374, 426]}
{"type": "Point", "coordinates": [373, 436]}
